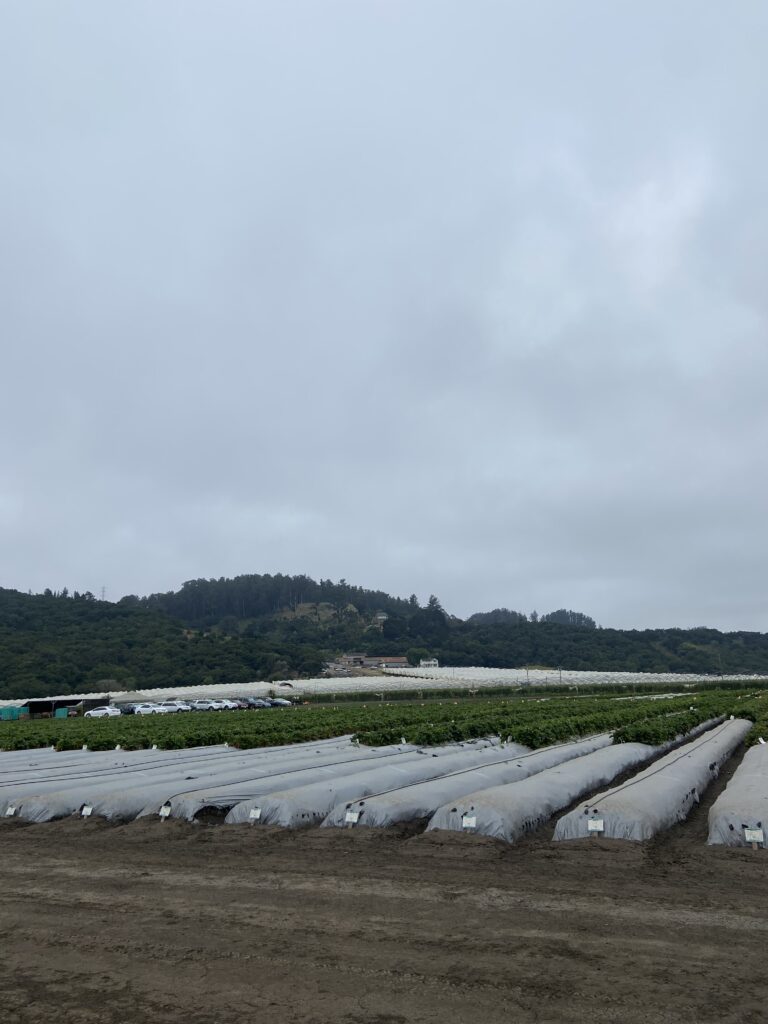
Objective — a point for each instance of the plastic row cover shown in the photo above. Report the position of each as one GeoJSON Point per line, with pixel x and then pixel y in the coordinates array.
{"type": "Point", "coordinates": [421, 801]}
{"type": "Point", "coordinates": [252, 787]}
{"type": "Point", "coordinates": [659, 796]}
{"type": "Point", "coordinates": [84, 764]}
{"type": "Point", "coordinates": [119, 794]}
{"type": "Point", "coordinates": [123, 792]}
{"type": "Point", "coordinates": [310, 803]}
{"type": "Point", "coordinates": [739, 816]}
{"type": "Point", "coordinates": [508, 812]}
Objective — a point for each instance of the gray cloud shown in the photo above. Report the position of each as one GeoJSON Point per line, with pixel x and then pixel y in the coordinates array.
{"type": "Point", "coordinates": [435, 298]}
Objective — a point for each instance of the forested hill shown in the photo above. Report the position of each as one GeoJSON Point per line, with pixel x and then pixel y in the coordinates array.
{"type": "Point", "coordinates": [273, 627]}
{"type": "Point", "coordinates": [209, 603]}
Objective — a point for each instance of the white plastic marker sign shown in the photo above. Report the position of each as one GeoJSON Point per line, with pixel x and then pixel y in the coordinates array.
{"type": "Point", "coordinates": [351, 817]}
{"type": "Point", "coordinates": [255, 814]}
{"type": "Point", "coordinates": [87, 811]}
{"type": "Point", "coordinates": [754, 835]}
{"type": "Point", "coordinates": [164, 811]}
{"type": "Point", "coordinates": [595, 825]}
{"type": "Point", "coordinates": [468, 821]}
{"type": "Point", "coordinates": [10, 811]}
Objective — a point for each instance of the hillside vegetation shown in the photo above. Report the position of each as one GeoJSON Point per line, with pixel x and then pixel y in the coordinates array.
{"type": "Point", "coordinates": [278, 627]}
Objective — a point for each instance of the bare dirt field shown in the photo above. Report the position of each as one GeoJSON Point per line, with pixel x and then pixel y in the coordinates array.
{"type": "Point", "coordinates": [171, 923]}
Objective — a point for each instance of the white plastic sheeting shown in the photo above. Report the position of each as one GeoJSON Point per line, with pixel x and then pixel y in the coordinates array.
{"type": "Point", "coordinates": [739, 816]}
{"type": "Point", "coordinates": [422, 800]}
{"type": "Point", "coordinates": [119, 785]}
{"type": "Point", "coordinates": [253, 786]}
{"type": "Point", "coordinates": [60, 793]}
{"type": "Point", "coordinates": [309, 804]}
{"type": "Point", "coordinates": [80, 767]}
{"type": "Point", "coordinates": [508, 812]}
{"type": "Point", "coordinates": [399, 679]}
{"type": "Point", "coordinates": [661, 795]}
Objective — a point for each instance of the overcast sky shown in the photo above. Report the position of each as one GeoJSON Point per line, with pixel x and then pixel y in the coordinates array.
{"type": "Point", "coordinates": [436, 296]}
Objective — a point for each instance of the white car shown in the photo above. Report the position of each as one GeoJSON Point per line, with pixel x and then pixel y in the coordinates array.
{"type": "Point", "coordinates": [103, 712]}
{"type": "Point", "coordinates": [223, 705]}
{"type": "Point", "coordinates": [175, 705]}
{"type": "Point", "coordinates": [151, 709]}
{"type": "Point", "coordinates": [202, 705]}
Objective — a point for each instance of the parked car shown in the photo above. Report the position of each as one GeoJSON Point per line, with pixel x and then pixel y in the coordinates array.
{"type": "Point", "coordinates": [280, 702]}
{"type": "Point", "coordinates": [175, 705]}
{"type": "Point", "coordinates": [126, 709]}
{"type": "Point", "coordinates": [103, 712]}
{"type": "Point", "coordinates": [151, 709]}
{"type": "Point", "coordinates": [202, 705]}
{"type": "Point", "coordinates": [227, 704]}
{"type": "Point", "coordinates": [258, 702]}
{"type": "Point", "coordinates": [239, 702]}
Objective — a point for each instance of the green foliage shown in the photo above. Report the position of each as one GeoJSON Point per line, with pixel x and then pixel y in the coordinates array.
{"type": "Point", "coordinates": [755, 708]}
{"type": "Point", "coordinates": [533, 723]}
{"type": "Point", "coordinates": [253, 628]}
{"type": "Point", "coordinates": [664, 728]}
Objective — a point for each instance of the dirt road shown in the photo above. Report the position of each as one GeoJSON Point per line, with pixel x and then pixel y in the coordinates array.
{"type": "Point", "coordinates": [171, 923]}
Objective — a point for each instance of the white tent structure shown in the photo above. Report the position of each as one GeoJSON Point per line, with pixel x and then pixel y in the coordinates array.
{"type": "Point", "coordinates": [659, 796]}
{"type": "Point", "coordinates": [739, 816]}
{"type": "Point", "coordinates": [410, 803]}
{"type": "Point", "coordinates": [252, 786]}
{"type": "Point", "coordinates": [508, 812]}
{"type": "Point", "coordinates": [310, 803]}
{"type": "Point", "coordinates": [75, 768]}
{"type": "Point", "coordinates": [118, 785]}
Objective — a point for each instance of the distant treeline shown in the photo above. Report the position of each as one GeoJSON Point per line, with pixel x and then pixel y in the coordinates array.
{"type": "Point", "coordinates": [206, 603]}
{"type": "Point", "coordinates": [563, 617]}
{"type": "Point", "coordinates": [271, 627]}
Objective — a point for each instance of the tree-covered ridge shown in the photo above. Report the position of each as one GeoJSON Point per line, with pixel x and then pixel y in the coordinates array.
{"type": "Point", "coordinates": [206, 603]}
{"type": "Point", "coordinates": [61, 643]}
{"type": "Point", "coordinates": [563, 616]}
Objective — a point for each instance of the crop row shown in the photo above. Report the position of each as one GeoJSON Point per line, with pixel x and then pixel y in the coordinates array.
{"type": "Point", "coordinates": [537, 725]}
{"type": "Point", "coordinates": [254, 729]}
{"type": "Point", "coordinates": [755, 707]}
{"type": "Point", "coordinates": [531, 722]}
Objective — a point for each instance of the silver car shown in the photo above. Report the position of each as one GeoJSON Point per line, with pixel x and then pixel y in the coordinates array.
{"type": "Point", "coordinates": [151, 709]}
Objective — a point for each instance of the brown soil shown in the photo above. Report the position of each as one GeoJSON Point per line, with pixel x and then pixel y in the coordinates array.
{"type": "Point", "coordinates": [204, 924]}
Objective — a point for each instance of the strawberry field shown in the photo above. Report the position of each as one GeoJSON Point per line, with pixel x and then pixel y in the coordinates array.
{"type": "Point", "coordinates": [532, 722]}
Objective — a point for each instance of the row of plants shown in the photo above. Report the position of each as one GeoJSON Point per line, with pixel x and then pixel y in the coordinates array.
{"type": "Point", "coordinates": [755, 708]}
{"type": "Point", "coordinates": [531, 722]}
{"type": "Point", "coordinates": [663, 729]}
{"type": "Point", "coordinates": [249, 729]}
{"type": "Point", "coordinates": [537, 724]}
